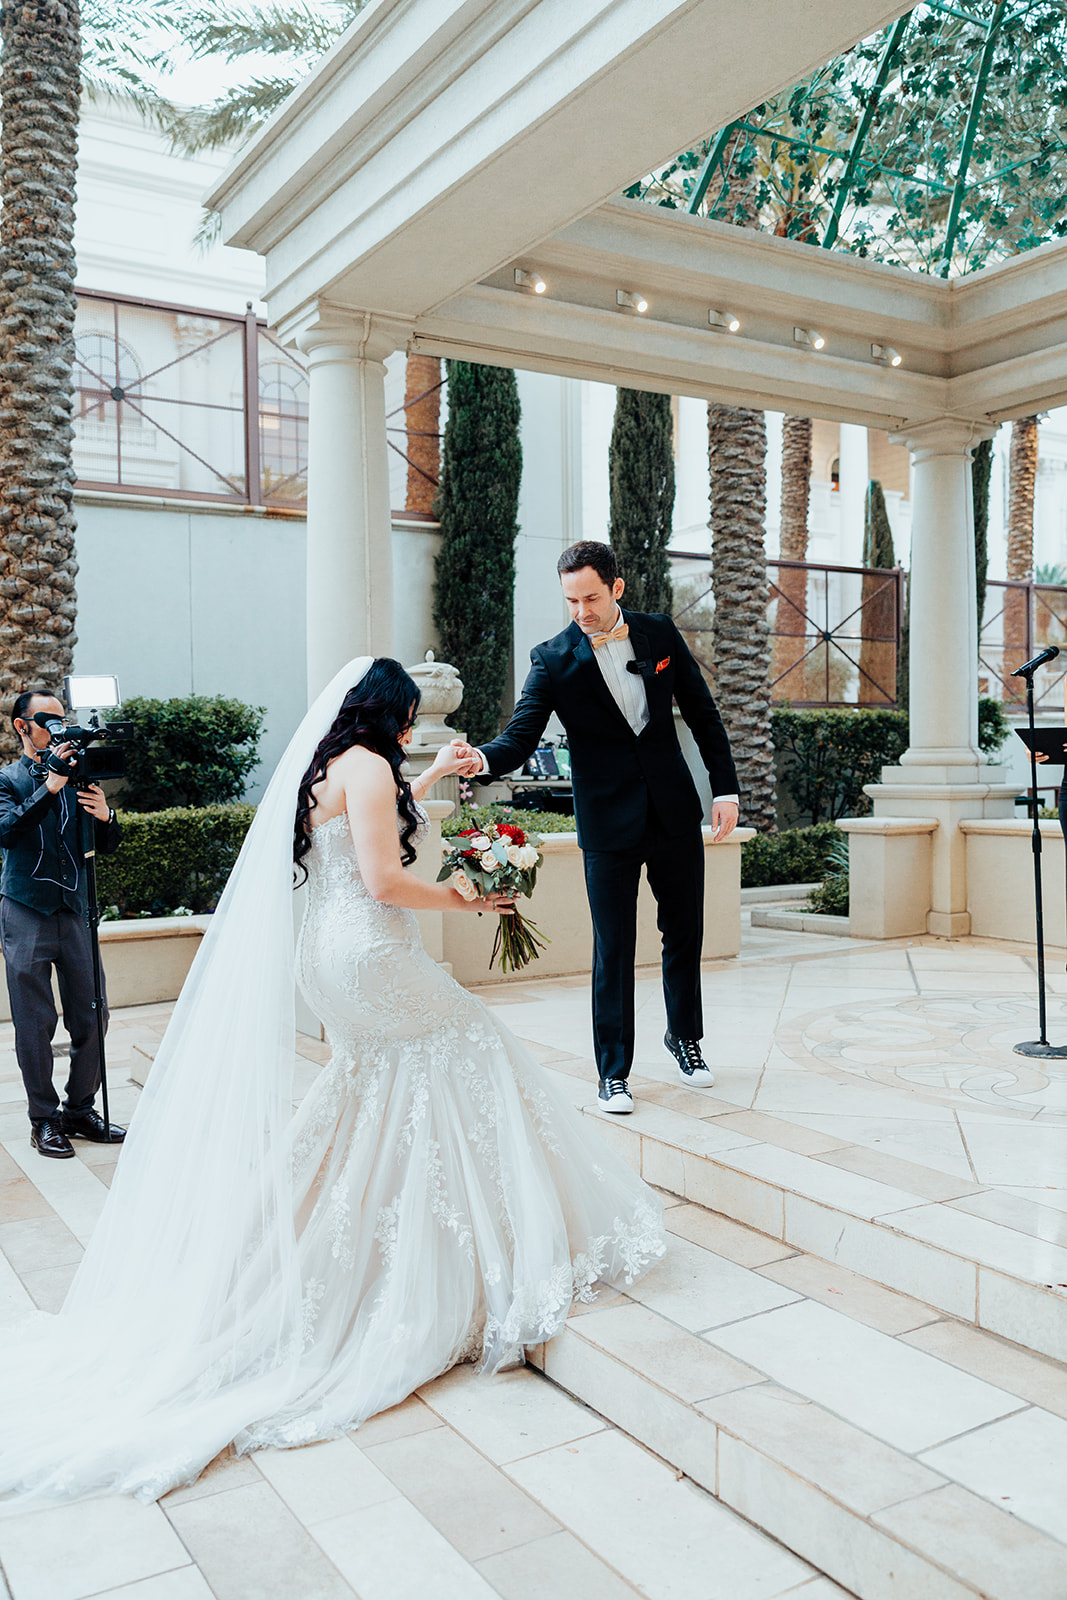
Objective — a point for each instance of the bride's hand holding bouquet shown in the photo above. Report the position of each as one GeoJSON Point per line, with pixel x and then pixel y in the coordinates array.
{"type": "Point", "coordinates": [491, 864]}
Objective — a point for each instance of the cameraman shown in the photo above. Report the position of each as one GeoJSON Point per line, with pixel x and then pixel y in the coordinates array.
{"type": "Point", "coordinates": [44, 924]}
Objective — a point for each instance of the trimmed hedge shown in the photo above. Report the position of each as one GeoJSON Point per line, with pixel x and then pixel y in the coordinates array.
{"type": "Point", "coordinates": [799, 855]}
{"type": "Point", "coordinates": [826, 757]}
{"type": "Point", "coordinates": [170, 859]}
{"type": "Point", "coordinates": [528, 821]}
{"type": "Point", "coordinates": [195, 751]}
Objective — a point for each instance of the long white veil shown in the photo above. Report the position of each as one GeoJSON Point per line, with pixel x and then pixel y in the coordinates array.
{"type": "Point", "coordinates": [183, 1323]}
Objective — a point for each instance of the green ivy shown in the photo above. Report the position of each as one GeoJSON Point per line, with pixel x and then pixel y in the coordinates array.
{"type": "Point", "coordinates": [528, 821]}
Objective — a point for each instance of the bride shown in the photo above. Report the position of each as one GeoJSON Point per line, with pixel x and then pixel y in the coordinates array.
{"type": "Point", "coordinates": [260, 1277]}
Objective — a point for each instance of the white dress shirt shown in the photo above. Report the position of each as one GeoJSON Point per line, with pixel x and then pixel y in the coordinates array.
{"type": "Point", "coordinates": [627, 689]}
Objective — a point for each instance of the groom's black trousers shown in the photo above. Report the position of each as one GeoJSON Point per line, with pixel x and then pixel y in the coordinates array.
{"type": "Point", "coordinates": [675, 867]}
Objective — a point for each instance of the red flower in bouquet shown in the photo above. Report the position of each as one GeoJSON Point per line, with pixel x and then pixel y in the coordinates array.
{"type": "Point", "coordinates": [499, 858]}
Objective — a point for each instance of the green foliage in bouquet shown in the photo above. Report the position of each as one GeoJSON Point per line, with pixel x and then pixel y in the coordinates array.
{"type": "Point", "coordinates": [499, 858]}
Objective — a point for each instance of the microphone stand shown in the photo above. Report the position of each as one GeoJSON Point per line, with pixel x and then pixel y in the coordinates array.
{"type": "Point", "coordinates": [1037, 1047]}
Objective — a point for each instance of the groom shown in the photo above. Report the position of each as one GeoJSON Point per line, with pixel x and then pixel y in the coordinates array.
{"type": "Point", "coordinates": [612, 678]}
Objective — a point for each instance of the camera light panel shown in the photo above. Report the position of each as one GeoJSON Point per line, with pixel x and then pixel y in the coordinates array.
{"type": "Point", "coordinates": [89, 692]}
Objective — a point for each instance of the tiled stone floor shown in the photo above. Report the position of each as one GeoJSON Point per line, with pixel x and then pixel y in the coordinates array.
{"type": "Point", "coordinates": [862, 1082]}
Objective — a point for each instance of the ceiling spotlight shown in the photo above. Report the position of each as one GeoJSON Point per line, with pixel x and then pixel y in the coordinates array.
{"type": "Point", "coordinates": [886, 355]}
{"type": "Point", "coordinates": [530, 280]}
{"type": "Point", "coordinates": [725, 321]}
{"type": "Point", "coordinates": [808, 336]}
{"type": "Point", "coordinates": [636, 302]}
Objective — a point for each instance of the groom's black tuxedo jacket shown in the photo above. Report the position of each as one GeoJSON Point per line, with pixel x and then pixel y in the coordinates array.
{"type": "Point", "coordinates": [618, 774]}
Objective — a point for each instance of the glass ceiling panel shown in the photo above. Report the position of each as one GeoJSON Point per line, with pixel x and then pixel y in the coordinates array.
{"type": "Point", "coordinates": [939, 144]}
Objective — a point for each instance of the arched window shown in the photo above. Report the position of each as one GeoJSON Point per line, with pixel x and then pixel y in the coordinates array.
{"type": "Point", "coordinates": [104, 370]}
{"type": "Point", "coordinates": [283, 423]}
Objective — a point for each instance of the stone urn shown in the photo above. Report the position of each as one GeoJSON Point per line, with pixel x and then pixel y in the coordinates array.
{"type": "Point", "coordinates": [441, 688]}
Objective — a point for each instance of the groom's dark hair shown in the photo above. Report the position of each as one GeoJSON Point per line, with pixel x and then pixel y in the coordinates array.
{"type": "Point", "coordinates": [590, 553]}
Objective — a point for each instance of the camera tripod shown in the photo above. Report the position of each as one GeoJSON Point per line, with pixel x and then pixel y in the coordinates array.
{"type": "Point", "coordinates": [87, 825]}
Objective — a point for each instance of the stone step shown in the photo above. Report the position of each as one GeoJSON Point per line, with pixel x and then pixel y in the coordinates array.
{"type": "Point", "coordinates": [894, 1470]}
{"type": "Point", "coordinates": [946, 1251]}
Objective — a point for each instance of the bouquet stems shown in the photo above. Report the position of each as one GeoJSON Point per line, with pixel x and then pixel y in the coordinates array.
{"type": "Point", "coordinates": [517, 942]}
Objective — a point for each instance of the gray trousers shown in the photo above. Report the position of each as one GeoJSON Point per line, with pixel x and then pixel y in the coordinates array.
{"type": "Point", "coordinates": [33, 943]}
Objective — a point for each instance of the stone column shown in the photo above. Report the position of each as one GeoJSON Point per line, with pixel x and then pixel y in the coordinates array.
{"type": "Point", "coordinates": [942, 776]}
{"type": "Point", "coordinates": [852, 477]}
{"type": "Point", "coordinates": [349, 523]}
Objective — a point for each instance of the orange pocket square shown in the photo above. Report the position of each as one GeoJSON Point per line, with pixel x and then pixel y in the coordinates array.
{"type": "Point", "coordinates": [661, 665]}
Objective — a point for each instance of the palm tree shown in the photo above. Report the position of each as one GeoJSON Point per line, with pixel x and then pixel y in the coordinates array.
{"type": "Point", "coordinates": [52, 52]}
{"type": "Point", "coordinates": [737, 449]}
{"type": "Point", "coordinates": [791, 623]}
{"type": "Point", "coordinates": [737, 459]}
{"type": "Point", "coordinates": [1022, 477]}
{"type": "Point", "coordinates": [40, 86]}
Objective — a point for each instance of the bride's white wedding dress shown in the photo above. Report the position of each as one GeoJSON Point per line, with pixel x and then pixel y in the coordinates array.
{"type": "Point", "coordinates": [450, 1203]}
{"type": "Point", "coordinates": [263, 1278]}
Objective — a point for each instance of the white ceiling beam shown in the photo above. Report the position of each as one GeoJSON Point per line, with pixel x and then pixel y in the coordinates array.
{"type": "Point", "coordinates": [441, 137]}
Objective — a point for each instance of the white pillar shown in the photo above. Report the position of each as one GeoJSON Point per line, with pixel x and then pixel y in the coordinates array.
{"type": "Point", "coordinates": [349, 523]}
{"type": "Point", "coordinates": [942, 775]}
{"type": "Point", "coordinates": [943, 660]}
{"type": "Point", "coordinates": [852, 481]}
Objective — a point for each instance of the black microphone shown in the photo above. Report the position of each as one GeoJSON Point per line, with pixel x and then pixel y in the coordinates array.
{"type": "Point", "coordinates": [641, 669]}
{"type": "Point", "coordinates": [1028, 666]}
{"type": "Point", "coordinates": [51, 723]}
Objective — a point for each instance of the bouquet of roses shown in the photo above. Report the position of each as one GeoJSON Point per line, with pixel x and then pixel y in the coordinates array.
{"type": "Point", "coordinates": [499, 858]}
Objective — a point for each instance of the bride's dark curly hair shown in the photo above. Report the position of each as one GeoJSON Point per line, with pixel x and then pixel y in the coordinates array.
{"type": "Point", "coordinates": [374, 714]}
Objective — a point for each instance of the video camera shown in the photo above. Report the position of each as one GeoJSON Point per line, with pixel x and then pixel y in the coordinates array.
{"type": "Point", "coordinates": [94, 760]}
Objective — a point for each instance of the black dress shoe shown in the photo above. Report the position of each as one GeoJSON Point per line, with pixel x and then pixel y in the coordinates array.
{"type": "Point", "coordinates": [48, 1139]}
{"type": "Point", "coordinates": [691, 1063]}
{"type": "Point", "coordinates": [89, 1124]}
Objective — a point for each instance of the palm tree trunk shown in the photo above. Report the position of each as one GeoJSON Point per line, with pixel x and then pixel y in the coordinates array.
{"type": "Point", "coordinates": [40, 90]}
{"type": "Point", "coordinates": [788, 681]}
{"type": "Point", "coordinates": [737, 448]}
{"type": "Point", "coordinates": [1022, 477]}
{"type": "Point", "coordinates": [422, 419]}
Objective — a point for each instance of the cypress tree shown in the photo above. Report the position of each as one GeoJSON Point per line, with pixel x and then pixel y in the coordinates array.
{"type": "Point", "coordinates": [878, 643]}
{"type": "Point", "coordinates": [477, 505]}
{"type": "Point", "coordinates": [877, 532]}
{"type": "Point", "coordinates": [641, 481]}
{"type": "Point", "coordinates": [981, 471]}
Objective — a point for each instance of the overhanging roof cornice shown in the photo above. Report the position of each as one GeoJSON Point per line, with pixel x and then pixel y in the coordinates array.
{"type": "Point", "coordinates": [440, 137]}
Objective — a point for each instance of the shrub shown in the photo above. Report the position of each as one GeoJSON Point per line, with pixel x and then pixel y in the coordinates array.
{"type": "Point", "coordinates": [798, 855]}
{"type": "Point", "coordinates": [179, 857]}
{"type": "Point", "coordinates": [831, 896]}
{"type": "Point", "coordinates": [826, 757]}
{"type": "Point", "coordinates": [196, 751]}
{"type": "Point", "coordinates": [528, 821]}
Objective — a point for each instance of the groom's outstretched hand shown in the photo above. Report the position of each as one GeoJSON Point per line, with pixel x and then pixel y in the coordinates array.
{"type": "Point", "coordinates": [723, 818]}
{"type": "Point", "coordinates": [468, 758]}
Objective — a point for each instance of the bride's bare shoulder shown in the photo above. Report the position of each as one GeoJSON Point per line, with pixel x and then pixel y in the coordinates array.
{"type": "Point", "coordinates": [359, 767]}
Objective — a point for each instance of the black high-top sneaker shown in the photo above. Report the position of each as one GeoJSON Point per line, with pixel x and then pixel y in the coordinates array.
{"type": "Point", "coordinates": [691, 1063]}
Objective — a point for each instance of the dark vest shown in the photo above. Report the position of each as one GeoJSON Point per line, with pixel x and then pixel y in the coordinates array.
{"type": "Point", "coordinates": [44, 859]}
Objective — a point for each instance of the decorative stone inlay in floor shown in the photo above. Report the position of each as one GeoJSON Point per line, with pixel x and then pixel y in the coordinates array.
{"type": "Point", "coordinates": [950, 1048]}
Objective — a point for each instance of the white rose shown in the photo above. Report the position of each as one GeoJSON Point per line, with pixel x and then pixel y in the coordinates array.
{"type": "Point", "coordinates": [479, 842]}
{"type": "Point", "coordinates": [489, 861]}
{"type": "Point", "coordinates": [462, 885]}
{"type": "Point", "coordinates": [515, 855]}
{"type": "Point", "coordinates": [527, 857]}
